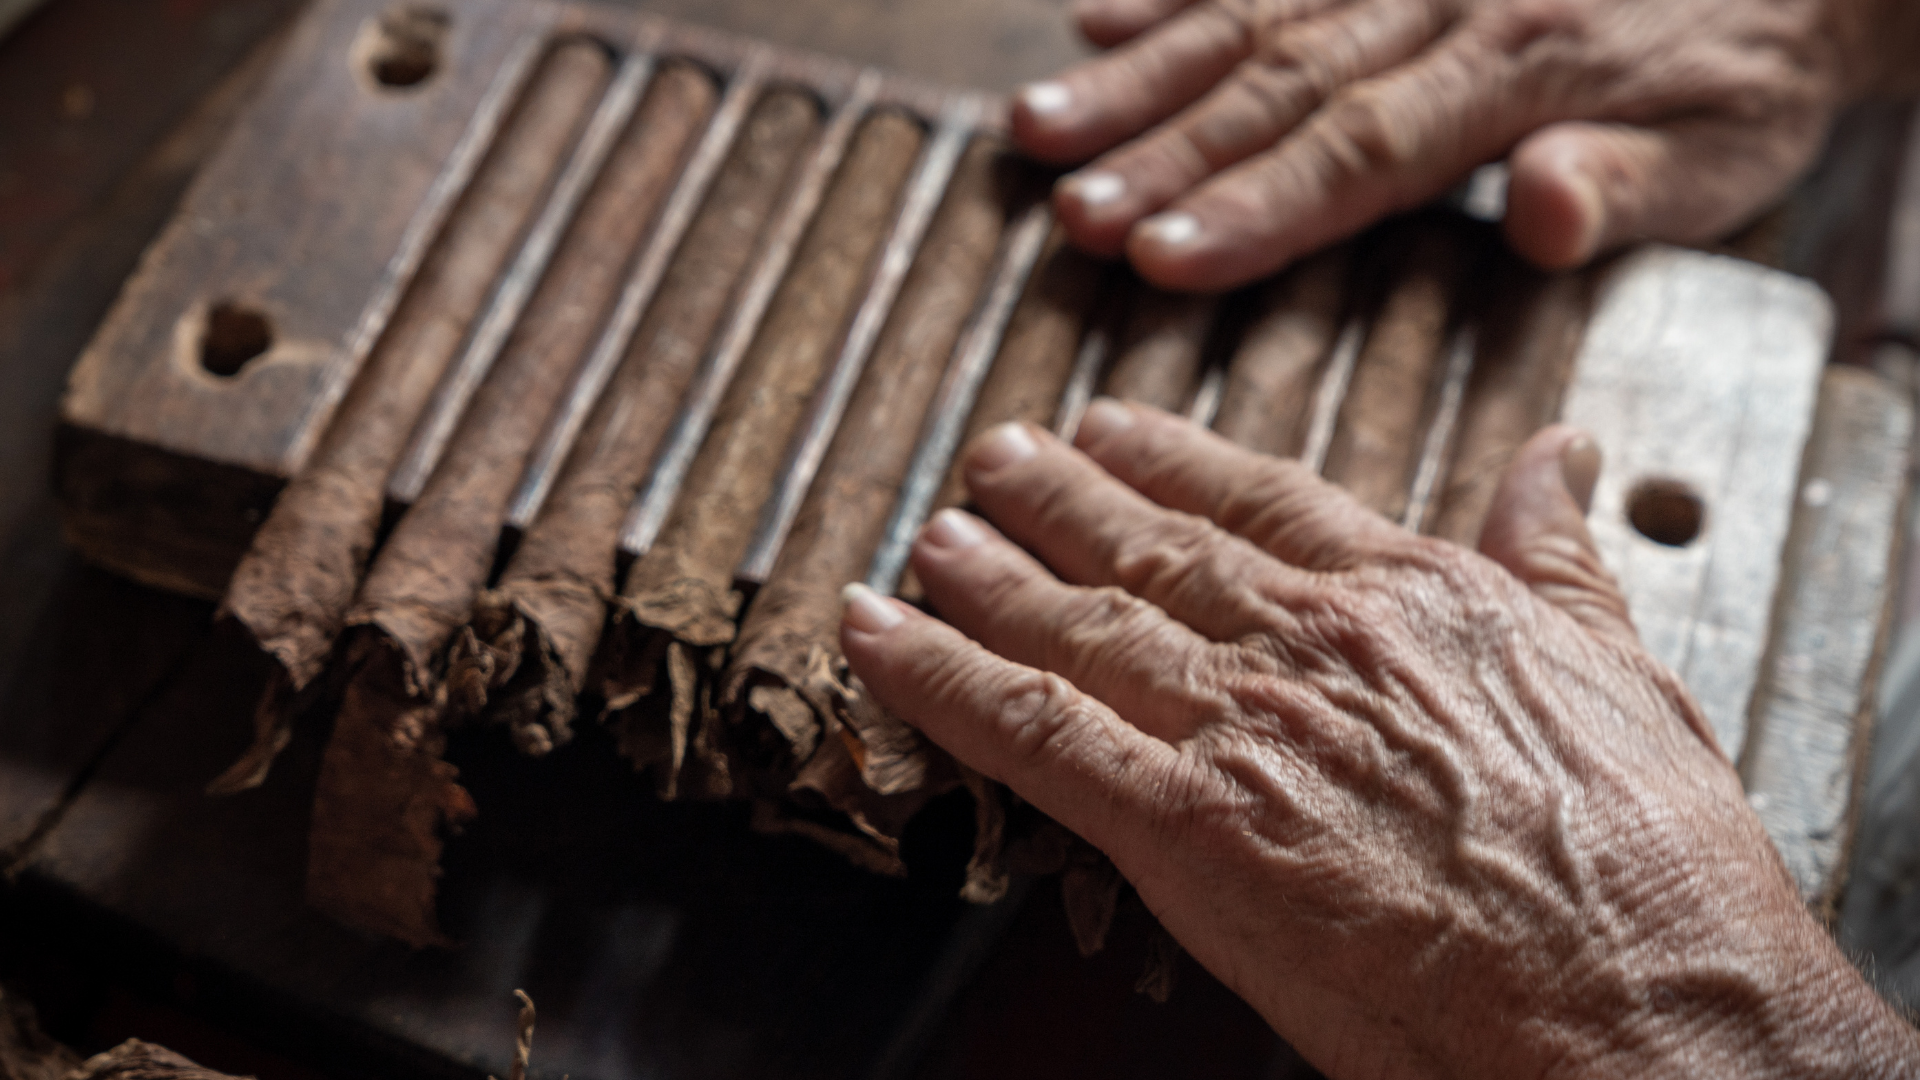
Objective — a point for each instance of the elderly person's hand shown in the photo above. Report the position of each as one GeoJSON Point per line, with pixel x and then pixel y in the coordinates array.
{"type": "Point", "coordinates": [1432, 812]}
{"type": "Point", "coordinates": [1238, 135]}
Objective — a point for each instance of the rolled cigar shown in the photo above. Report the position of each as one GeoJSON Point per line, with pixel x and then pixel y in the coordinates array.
{"type": "Point", "coordinates": [1528, 340]}
{"type": "Point", "coordinates": [524, 656]}
{"type": "Point", "coordinates": [679, 601]}
{"type": "Point", "coordinates": [1277, 366]}
{"type": "Point", "coordinates": [291, 592]}
{"type": "Point", "coordinates": [1036, 358]}
{"type": "Point", "coordinates": [384, 793]}
{"type": "Point", "coordinates": [1163, 348]}
{"type": "Point", "coordinates": [1381, 429]}
{"type": "Point", "coordinates": [787, 675]}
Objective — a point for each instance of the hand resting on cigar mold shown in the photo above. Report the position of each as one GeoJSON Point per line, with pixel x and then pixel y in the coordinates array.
{"type": "Point", "coordinates": [1432, 812]}
{"type": "Point", "coordinates": [1231, 137]}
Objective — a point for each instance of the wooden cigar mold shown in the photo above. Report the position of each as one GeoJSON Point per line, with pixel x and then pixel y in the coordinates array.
{"type": "Point", "coordinates": [550, 364]}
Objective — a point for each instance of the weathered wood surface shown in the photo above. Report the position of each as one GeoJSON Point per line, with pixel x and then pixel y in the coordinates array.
{"type": "Point", "coordinates": [1812, 718]}
{"type": "Point", "coordinates": [990, 44]}
{"type": "Point", "coordinates": [142, 380]}
{"type": "Point", "coordinates": [1701, 371]}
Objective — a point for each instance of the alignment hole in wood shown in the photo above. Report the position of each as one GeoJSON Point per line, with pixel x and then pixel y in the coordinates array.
{"type": "Point", "coordinates": [1666, 512]}
{"type": "Point", "coordinates": [234, 336]}
{"type": "Point", "coordinates": [402, 48]}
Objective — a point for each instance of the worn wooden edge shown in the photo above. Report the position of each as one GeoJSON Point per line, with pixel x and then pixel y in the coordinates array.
{"type": "Point", "coordinates": [163, 519]}
{"type": "Point", "coordinates": [1813, 713]}
{"type": "Point", "coordinates": [831, 78]}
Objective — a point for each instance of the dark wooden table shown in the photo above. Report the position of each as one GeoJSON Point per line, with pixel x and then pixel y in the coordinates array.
{"type": "Point", "coordinates": [663, 941]}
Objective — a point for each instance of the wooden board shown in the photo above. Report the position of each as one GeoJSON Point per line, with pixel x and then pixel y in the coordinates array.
{"type": "Point", "coordinates": [1813, 712]}
{"type": "Point", "coordinates": [1698, 379]}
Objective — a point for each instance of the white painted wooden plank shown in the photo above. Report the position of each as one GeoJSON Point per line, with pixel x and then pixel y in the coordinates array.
{"type": "Point", "coordinates": [1703, 370]}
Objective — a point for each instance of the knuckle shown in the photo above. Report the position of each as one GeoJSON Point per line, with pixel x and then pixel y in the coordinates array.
{"type": "Point", "coordinates": [1560, 559]}
{"type": "Point", "coordinates": [1038, 716]}
{"type": "Point", "coordinates": [1105, 626]}
{"type": "Point", "coordinates": [1172, 551]}
{"type": "Point", "coordinates": [1278, 490]}
{"type": "Point", "coordinates": [1284, 83]}
{"type": "Point", "coordinates": [1367, 131]}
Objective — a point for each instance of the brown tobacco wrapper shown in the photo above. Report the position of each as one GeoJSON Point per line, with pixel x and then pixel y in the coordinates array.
{"type": "Point", "coordinates": [1271, 380]}
{"type": "Point", "coordinates": [292, 590]}
{"type": "Point", "coordinates": [873, 774]}
{"type": "Point", "coordinates": [786, 672]}
{"type": "Point", "coordinates": [1376, 445]}
{"type": "Point", "coordinates": [373, 858]}
{"type": "Point", "coordinates": [136, 1060]}
{"type": "Point", "coordinates": [1162, 348]}
{"type": "Point", "coordinates": [523, 659]}
{"type": "Point", "coordinates": [1523, 361]}
{"type": "Point", "coordinates": [1036, 358]}
{"type": "Point", "coordinates": [385, 795]}
{"type": "Point", "coordinates": [679, 603]}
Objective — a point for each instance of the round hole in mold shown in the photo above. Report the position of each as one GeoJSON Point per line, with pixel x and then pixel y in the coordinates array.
{"type": "Point", "coordinates": [1667, 512]}
{"type": "Point", "coordinates": [402, 48]}
{"type": "Point", "coordinates": [234, 336]}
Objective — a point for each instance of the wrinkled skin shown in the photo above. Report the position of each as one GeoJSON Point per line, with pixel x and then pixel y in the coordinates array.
{"type": "Point", "coordinates": [1234, 136]}
{"type": "Point", "coordinates": [1433, 812]}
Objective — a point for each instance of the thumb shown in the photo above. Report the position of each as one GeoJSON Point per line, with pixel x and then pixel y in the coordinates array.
{"type": "Point", "coordinates": [1537, 529]}
{"type": "Point", "coordinates": [1580, 189]}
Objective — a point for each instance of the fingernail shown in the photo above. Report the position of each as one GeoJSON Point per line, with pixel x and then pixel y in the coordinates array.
{"type": "Point", "coordinates": [1094, 190]}
{"type": "Point", "coordinates": [952, 529]}
{"type": "Point", "coordinates": [1105, 417]}
{"type": "Point", "coordinates": [1007, 444]}
{"type": "Point", "coordinates": [1172, 230]}
{"type": "Point", "coordinates": [1046, 99]}
{"type": "Point", "coordinates": [867, 611]}
{"type": "Point", "coordinates": [1580, 469]}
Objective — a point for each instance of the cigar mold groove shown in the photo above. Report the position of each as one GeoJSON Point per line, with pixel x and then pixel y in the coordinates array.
{"type": "Point", "coordinates": [232, 335]}
{"type": "Point", "coordinates": [401, 49]}
{"type": "Point", "coordinates": [1666, 511]}
{"type": "Point", "coordinates": [703, 325]}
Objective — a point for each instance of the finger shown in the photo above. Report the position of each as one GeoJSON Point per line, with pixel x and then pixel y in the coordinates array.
{"type": "Point", "coordinates": [1263, 99]}
{"type": "Point", "coordinates": [1277, 505]}
{"type": "Point", "coordinates": [1094, 105]}
{"type": "Point", "coordinates": [1378, 146]}
{"type": "Point", "coordinates": [1094, 530]}
{"type": "Point", "coordinates": [1059, 749]}
{"type": "Point", "coordinates": [1537, 529]}
{"type": "Point", "coordinates": [1582, 188]}
{"type": "Point", "coordinates": [1107, 23]}
{"type": "Point", "coordinates": [1111, 644]}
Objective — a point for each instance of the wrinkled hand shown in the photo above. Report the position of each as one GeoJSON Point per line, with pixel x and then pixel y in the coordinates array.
{"type": "Point", "coordinates": [1432, 812]}
{"type": "Point", "coordinates": [1238, 135]}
